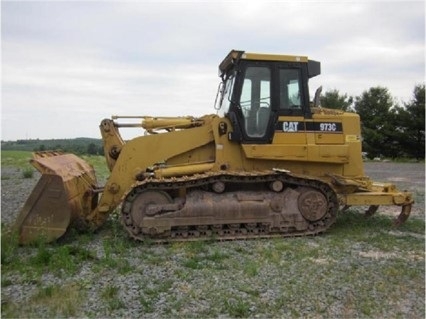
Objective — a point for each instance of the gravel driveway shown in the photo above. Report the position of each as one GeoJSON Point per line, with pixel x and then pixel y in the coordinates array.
{"type": "Point", "coordinates": [336, 277]}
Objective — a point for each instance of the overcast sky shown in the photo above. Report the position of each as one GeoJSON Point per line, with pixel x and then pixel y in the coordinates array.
{"type": "Point", "coordinates": [67, 65]}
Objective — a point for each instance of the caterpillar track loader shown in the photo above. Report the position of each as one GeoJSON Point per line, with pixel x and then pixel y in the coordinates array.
{"type": "Point", "coordinates": [269, 163]}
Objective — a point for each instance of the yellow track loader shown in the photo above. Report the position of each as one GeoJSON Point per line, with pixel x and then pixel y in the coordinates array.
{"type": "Point", "coordinates": [269, 163]}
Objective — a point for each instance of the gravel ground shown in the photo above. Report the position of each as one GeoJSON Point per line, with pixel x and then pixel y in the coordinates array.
{"type": "Point", "coordinates": [209, 280]}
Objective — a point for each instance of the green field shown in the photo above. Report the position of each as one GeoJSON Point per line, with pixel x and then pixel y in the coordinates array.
{"type": "Point", "coordinates": [360, 268]}
{"type": "Point", "coordinates": [15, 158]}
{"type": "Point", "coordinates": [20, 160]}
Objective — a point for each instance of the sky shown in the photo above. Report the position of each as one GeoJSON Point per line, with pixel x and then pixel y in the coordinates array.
{"type": "Point", "coordinates": [66, 65]}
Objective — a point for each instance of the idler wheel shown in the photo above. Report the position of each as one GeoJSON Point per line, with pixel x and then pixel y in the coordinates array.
{"type": "Point", "coordinates": [312, 204]}
{"type": "Point", "coordinates": [145, 200]}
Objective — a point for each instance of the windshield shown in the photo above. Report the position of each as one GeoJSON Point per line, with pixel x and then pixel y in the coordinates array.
{"type": "Point", "coordinates": [224, 94]}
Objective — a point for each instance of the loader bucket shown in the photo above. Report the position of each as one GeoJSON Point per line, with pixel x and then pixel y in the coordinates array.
{"type": "Point", "coordinates": [64, 195]}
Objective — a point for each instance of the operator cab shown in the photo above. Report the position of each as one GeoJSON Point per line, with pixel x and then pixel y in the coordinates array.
{"type": "Point", "coordinates": [258, 88]}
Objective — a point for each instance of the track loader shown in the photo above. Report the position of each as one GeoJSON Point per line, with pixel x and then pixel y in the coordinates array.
{"type": "Point", "coordinates": [269, 163]}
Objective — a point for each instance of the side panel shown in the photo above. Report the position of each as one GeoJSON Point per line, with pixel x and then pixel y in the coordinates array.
{"type": "Point", "coordinates": [353, 139]}
{"type": "Point", "coordinates": [320, 139]}
{"type": "Point", "coordinates": [290, 130]}
{"type": "Point", "coordinates": [337, 135]}
{"type": "Point", "coordinates": [327, 139]}
{"type": "Point", "coordinates": [276, 151]}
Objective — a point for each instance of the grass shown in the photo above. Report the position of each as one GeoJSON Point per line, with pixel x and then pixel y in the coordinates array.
{"type": "Point", "coordinates": [237, 308]}
{"type": "Point", "coordinates": [110, 294]}
{"type": "Point", "coordinates": [251, 268]}
{"type": "Point", "coordinates": [59, 259]}
{"type": "Point", "coordinates": [18, 159]}
{"type": "Point", "coordinates": [359, 268]}
{"type": "Point", "coordinates": [53, 300]}
{"type": "Point", "coordinates": [28, 172]}
{"type": "Point", "coordinates": [100, 166]}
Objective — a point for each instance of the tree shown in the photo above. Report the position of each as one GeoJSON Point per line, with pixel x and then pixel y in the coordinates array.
{"type": "Point", "coordinates": [333, 100]}
{"type": "Point", "coordinates": [410, 124]}
{"type": "Point", "coordinates": [92, 149]}
{"type": "Point", "coordinates": [101, 150]}
{"type": "Point", "coordinates": [375, 107]}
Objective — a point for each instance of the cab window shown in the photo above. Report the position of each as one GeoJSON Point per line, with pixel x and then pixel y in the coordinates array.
{"type": "Point", "coordinates": [255, 100]}
{"type": "Point", "coordinates": [290, 90]}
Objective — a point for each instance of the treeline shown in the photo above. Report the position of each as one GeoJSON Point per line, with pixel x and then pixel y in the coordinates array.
{"type": "Point", "coordinates": [388, 128]}
{"type": "Point", "coordinates": [79, 146]}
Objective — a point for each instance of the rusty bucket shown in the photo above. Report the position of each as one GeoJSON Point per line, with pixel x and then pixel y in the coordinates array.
{"type": "Point", "coordinates": [64, 195]}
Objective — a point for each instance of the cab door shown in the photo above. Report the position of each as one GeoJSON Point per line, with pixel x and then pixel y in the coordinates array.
{"type": "Point", "coordinates": [288, 140]}
{"type": "Point", "coordinates": [290, 127]}
{"type": "Point", "coordinates": [256, 104]}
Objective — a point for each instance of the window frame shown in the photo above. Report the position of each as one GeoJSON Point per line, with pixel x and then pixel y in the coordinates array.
{"type": "Point", "coordinates": [235, 111]}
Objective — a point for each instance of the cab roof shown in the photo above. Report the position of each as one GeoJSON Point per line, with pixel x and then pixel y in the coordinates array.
{"type": "Point", "coordinates": [236, 55]}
